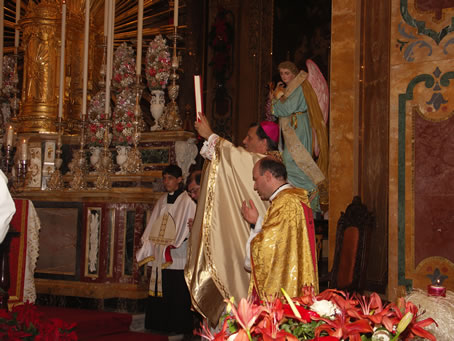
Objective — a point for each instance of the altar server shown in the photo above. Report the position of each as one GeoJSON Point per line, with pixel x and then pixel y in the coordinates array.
{"type": "Point", "coordinates": [164, 248]}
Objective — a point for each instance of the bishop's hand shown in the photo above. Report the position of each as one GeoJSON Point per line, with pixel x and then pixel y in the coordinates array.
{"type": "Point", "coordinates": [203, 127]}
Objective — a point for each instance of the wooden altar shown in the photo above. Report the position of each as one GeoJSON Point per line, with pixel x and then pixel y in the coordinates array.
{"type": "Point", "coordinates": [89, 238]}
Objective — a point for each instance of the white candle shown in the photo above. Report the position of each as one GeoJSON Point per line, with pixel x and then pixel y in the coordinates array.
{"type": "Point", "coordinates": [24, 150]}
{"type": "Point", "coordinates": [175, 14]}
{"type": "Point", "coordinates": [139, 38]}
{"type": "Point", "coordinates": [16, 31]}
{"type": "Point", "coordinates": [198, 96]}
{"type": "Point", "coordinates": [10, 136]}
{"type": "Point", "coordinates": [62, 60]}
{"type": "Point", "coordinates": [85, 72]}
{"type": "Point", "coordinates": [2, 22]}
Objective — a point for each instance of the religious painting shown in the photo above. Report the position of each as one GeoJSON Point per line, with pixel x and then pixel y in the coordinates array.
{"type": "Point", "coordinates": [34, 170]}
{"type": "Point", "coordinates": [49, 152]}
{"type": "Point", "coordinates": [48, 162]}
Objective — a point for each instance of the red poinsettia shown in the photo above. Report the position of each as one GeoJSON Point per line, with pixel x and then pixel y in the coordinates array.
{"type": "Point", "coordinates": [25, 322]}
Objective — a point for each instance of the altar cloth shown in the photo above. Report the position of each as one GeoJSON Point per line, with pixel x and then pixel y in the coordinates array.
{"type": "Point", "coordinates": [23, 253]}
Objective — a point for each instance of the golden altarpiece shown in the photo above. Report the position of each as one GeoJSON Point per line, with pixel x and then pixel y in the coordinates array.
{"type": "Point", "coordinates": [92, 209]}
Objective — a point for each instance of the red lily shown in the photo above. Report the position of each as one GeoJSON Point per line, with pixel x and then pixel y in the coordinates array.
{"type": "Point", "coordinates": [307, 296]}
{"type": "Point", "coordinates": [269, 330]}
{"type": "Point", "coordinates": [268, 327]}
{"type": "Point", "coordinates": [372, 309]}
{"type": "Point", "coordinates": [342, 328]}
{"type": "Point", "coordinates": [415, 328]}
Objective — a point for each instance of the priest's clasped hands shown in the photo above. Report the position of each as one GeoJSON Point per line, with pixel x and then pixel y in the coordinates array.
{"type": "Point", "coordinates": [250, 214]}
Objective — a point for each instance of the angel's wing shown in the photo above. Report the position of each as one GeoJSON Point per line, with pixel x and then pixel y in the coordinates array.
{"type": "Point", "coordinates": [320, 86]}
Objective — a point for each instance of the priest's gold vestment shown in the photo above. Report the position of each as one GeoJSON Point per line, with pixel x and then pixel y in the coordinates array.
{"type": "Point", "coordinates": [283, 253]}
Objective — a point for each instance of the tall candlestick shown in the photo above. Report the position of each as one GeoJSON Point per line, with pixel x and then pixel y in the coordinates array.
{"type": "Point", "coordinates": [110, 19]}
{"type": "Point", "coordinates": [16, 31]}
{"type": "Point", "coordinates": [85, 80]}
{"type": "Point", "coordinates": [2, 22]}
{"type": "Point", "coordinates": [62, 60]}
{"type": "Point", "coordinates": [139, 38]}
{"type": "Point", "coordinates": [175, 14]}
{"type": "Point", "coordinates": [10, 136]}
{"type": "Point", "coordinates": [24, 150]}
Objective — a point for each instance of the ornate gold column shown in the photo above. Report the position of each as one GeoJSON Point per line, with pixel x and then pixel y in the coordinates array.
{"type": "Point", "coordinates": [41, 41]}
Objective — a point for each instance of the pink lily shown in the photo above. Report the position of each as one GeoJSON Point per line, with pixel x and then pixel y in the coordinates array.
{"type": "Point", "coordinates": [206, 334]}
{"type": "Point", "coordinates": [246, 314]}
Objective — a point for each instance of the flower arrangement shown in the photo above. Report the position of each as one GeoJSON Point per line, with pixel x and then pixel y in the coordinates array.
{"type": "Point", "coordinates": [331, 315]}
{"type": "Point", "coordinates": [10, 79]}
{"type": "Point", "coordinates": [123, 118]}
{"type": "Point", "coordinates": [96, 113]}
{"type": "Point", "coordinates": [24, 322]}
{"type": "Point", "coordinates": [124, 67]}
{"type": "Point", "coordinates": [158, 64]}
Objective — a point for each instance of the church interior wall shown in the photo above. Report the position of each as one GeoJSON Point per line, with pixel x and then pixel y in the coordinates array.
{"type": "Point", "coordinates": [421, 125]}
{"type": "Point", "coordinates": [390, 121]}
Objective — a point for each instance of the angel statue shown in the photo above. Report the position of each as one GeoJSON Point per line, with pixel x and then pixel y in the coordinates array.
{"type": "Point", "coordinates": [300, 102]}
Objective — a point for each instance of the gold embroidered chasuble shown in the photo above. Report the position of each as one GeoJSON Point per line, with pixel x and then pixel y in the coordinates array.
{"type": "Point", "coordinates": [215, 266]}
{"type": "Point", "coordinates": [283, 253]}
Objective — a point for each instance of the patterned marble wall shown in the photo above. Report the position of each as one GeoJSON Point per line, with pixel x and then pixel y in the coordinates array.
{"type": "Point", "coordinates": [421, 189]}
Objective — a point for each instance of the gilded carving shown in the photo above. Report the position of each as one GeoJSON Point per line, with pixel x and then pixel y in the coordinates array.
{"type": "Point", "coordinates": [41, 28]}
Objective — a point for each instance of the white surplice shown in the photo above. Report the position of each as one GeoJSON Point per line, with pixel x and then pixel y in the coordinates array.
{"type": "Point", "coordinates": [7, 207]}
